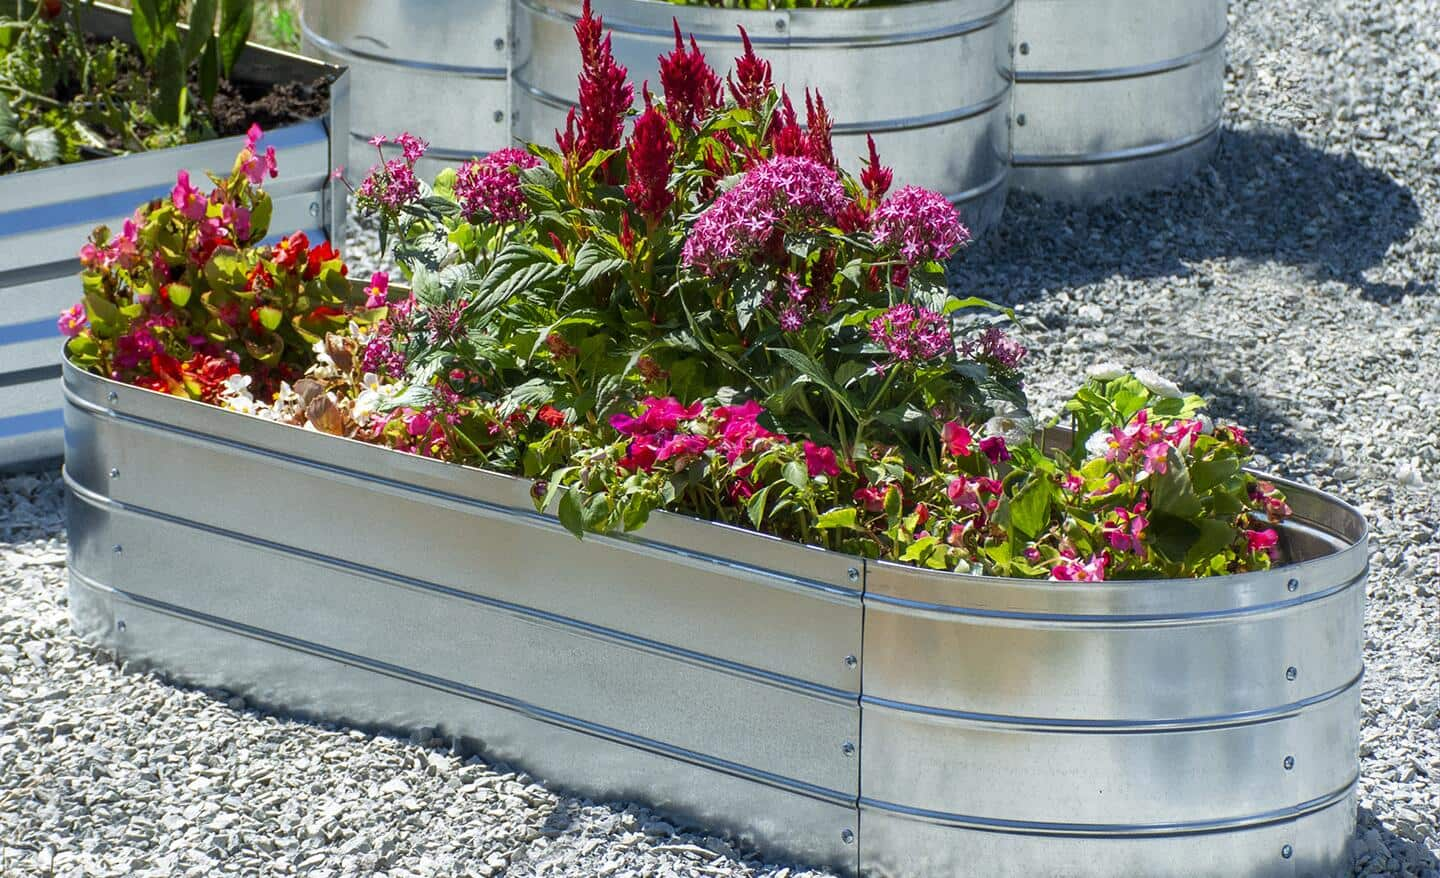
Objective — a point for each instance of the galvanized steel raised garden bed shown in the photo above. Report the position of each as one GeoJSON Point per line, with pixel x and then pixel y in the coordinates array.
{"type": "Point", "coordinates": [929, 79]}
{"type": "Point", "coordinates": [46, 214]}
{"type": "Point", "coordinates": [866, 716]}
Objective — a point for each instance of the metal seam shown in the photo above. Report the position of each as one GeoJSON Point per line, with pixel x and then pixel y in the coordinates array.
{"type": "Point", "coordinates": [495, 699]}
{"type": "Point", "coordinates": [858, 40]}
{"type": "Point", "coordinates": [1136, 71]}
{"type": "Point", "coordinates": [529, 614]}
{"type": "Point", "coordinates": [1150, 150]}
{"type": "Point", "coordinates": [1238, 719]}
{"type": "Point", "coordinates": [1122, 830]}
{"type": "Point", "coordinates": [351, 53]}
{"type": "Point", "coordinates": [489, 509]}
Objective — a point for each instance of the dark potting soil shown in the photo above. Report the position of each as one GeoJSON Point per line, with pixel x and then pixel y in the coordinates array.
{"type": "Point", "coordinates": [239, 105]}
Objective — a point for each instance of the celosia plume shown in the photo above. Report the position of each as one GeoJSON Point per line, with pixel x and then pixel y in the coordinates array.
{"type": "Point", "coordinates": [818, 124]}
{"type": "Point", "coordinates": [691, 88]}
{"type": "Point", "coordinates": [605, 95]}
{"type": "Point", "coordinates": [648, 163]}
{"type": "Point", "coordinates": [750, 84]}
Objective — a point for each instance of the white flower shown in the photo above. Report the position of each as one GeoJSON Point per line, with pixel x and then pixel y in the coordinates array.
{"type": "Point", "coordinates": [324, 366]}
{"type": "Point", "coordinates": [372, 398]}
{"type": "Point", "coordinates": [1098, 444]}
{"type": "Point", "coordinates": [1158, 384]}
{"type": "Point", "coordinates": [1106, 371]}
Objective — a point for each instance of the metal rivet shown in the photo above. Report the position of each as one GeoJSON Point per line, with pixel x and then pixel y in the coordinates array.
{"type": "Point", "coordinates": [1291, 673]}
{"type": "Point", "coordinates": [117, 549]}
{"type": "Point", "coordinates": [499, 116]}
{"type": "Point", "coordinates": [112, 396]}
{"type": "Point", "coordinates": [1024, 48]}
{"type": "Point", "coordinates": [779, 24]}
{"type": "Point", "coordinates": [499, 42]}
{"type": "Point", "coordinates": [114, 473]}
{"type": "Point", "coordinates": [851, 661]}
{"type": "Point", "coordinates": [854, 574]}
{"type": "Point", "coordinates": [314, 208]}
{"type": "Point", "coordinates": [1287, 851]}
{"type": "Point", "coordinates": [847, 748]}
{"type": "Point", "coordinates": [119, 624]}
{"type": "Point", "coordinates": [1289, 762]}
{"type": "Point", "coordinates": [847, 836]}
{"type": "Point", "coordinates": [1293, 584]}
{"type": "Point", "coordinates": [1020, 120]}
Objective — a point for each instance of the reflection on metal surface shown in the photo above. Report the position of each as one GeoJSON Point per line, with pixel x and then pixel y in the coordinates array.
{"type": "Point", "coordinates": [437, 72]}
{"type": "Point", "coordinates": [941, 123]}
{"type": "Point", "coordinates": [1118, 96]}
{"type": "Point", "coordinates": [1120, 728]}
{"type": "Point", "coordinates": [45, 215]}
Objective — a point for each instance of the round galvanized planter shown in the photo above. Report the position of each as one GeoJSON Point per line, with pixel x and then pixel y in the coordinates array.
{"type": "Point", "coordinates": [930, 80]}
{"type": "Point", "coordinates": [435, 68]}
{"type": "Point", "coordinates": [1116, 96]}
{"type": "Point", "coordinates": [870, 717]}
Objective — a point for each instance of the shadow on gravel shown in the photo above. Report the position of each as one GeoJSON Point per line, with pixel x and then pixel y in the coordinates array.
{"type": "Point", "coordinates": [1267, 197]}
{"type": "Point", "coordinates": [1374, 841]}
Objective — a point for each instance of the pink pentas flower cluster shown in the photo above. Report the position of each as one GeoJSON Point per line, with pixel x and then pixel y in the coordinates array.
{"type": "Point", "coordinates": [912, 333]}
{"type": "Point", "coordinates": [391, 184]}
{"type": "Point", "coordinates": [797, 303]}
{"type": "Point", "coordinates": [998, 349]}
{"type": "Point", "coordinates": [781, 194]}
{"type": "Point", "coordinates": [919, 224]}
{"type": "Point", "coordinates": [490, 187]}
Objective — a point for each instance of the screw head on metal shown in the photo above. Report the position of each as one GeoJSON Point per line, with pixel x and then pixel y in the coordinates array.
{"type": "Point", "coordinates": [499, 42]}
{"type": "Point", "coordinates": [1287, 851]}
{"type": "Point", "coordinates": [112, 396]}
{"type": "Point", "coordinates": [314, 208]}
{"type": "Point", "coordinates": [1024, 48]}
{"type": "Point", "coordinates": [117, 548]}
{"type": "Point", "coordinates": [851, 661]}
{"type": "Point", "coordinates": [779, 24]}
{"type": "Point", "coordinates": [1020, 120]}
{"type": "Point", "coordinates": [847, 748]}
{"type": "Point", "coordinates": [119, 624]}
{"type": "Point", "coordinates": [1293, 584]}
{"type": "Point", "coordinates": [854, 574]}
{"type": "Point", "coordinates": [1291, 673]}
{"type": "Point", "coordinates": [847, 836]}
{"type": "Point", "coordinates": [1289, 762]}
{"type": "Point", "coordinates": [499, 116]}
{"type": "Point", "coordinates": [114, 473]}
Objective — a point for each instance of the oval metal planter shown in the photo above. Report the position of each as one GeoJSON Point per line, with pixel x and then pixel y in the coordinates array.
{"type": "Point", "coordinates": [869, 717]}
{"type": "Point", "coordinates": [436, 69]}
{"type": "Point", "coordinates": [1116, 96]}
{"type": "Point", "coordinates": [930, 79]}
{"type": "Point", "coordinates": [46, 214]}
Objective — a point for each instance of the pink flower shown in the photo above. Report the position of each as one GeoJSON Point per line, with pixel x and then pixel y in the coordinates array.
{"type": "Point", "coordinates": [73, 321]}
{"type": "Point", "coordinates": [1125, 529]}
{"type": "Point", "coordinates": [378, 141]}
{"type": "Point", "coordinates": [1269, 498]}
{"type": "Point", "coordinates": [238, 219]}
{"type": "Point", "coordinates": [490, 186]}
{"type": "Point", "coordinates": [912, 333]}
{"type": "Point", "coordinates": [962, 492]}
{"type": "Point", "coordinates": [187, 199]}
{"type": "Point", "coordinates": [996, 349]}
{"type": "Point", "coordinates": [872, 497]}
{"type": "Point", "coordinates": [655, 415]}
{"type": "Point", "coordinates": [1073, 483]}
{"type": "Point", "coordinates": [1072, 570]}
{"type": "Point", "coordinates": [820, 461]}
{"type": "Point", "coordinates": [377, 294]}
{"type": "Point", "coordinates": [959, 441]}
{"type": "Point", "coordinates": [411, 147]}
{"type": "Point", "coordinates": [994, 447]}
{"type": "Point", "coordinates": [389, 186]}
{"type": "Point", "coordinates": [684, 447]}
{"type": "Point", "coordinates": [922, 225]}
{"type": "Point", "coordinates": [1263, 541]}
{"type": "Point", "coordinates": [1157, 458]}
{"type": "Point", "coordinates": [250, 161]}
{"type": "Point", "coordinates": [650, 158]}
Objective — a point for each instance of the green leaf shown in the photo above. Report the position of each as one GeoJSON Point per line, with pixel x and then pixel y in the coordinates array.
{"type": "Point", "coordinates": [755, 506]}
{"type": "Point", "coordinates": [1172, 492]}
{"type": "Point", "coordinates": [210, 77]}
{"type": "Point", "coordinates": [839, 517]}
{"type": "Point", "coordinates": [146, 25]}
{"type": "Point", "coordinates": [270, 317]}
{"type": "Point", "coordinates": [169, 80]}
{"type": "Point", "coordinates": [1206, 474]}
{"type": "Point", "coordinates": [202, 26]}
{"type": "Point", "coordinates": [9, 128]}
{"type": "Point", "coordinates": [1214, 538]}
{"type": "Point", "coordinates": [571, 514]}
{"type": "Point", "coordinates": [796, 474]}
{"type": "Point", "coordinates": [1171, 536]}
{"type": "Point", "coordinates": [180, 295]}
{"type": "Point", "coordinates": [41, 144]}
{"type": "Point", "coordinates": [1030, 509]}
{"type": "Point", "coordinates": [236, 18]}
{"type": "Point", "coordinates": [816, 373]}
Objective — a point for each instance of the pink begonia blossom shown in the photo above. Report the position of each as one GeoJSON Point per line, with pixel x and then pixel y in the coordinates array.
{"type": "Point", "coordinates": [491, 186]}
{"type": "Point", "coordinates": [820, 461]}
{"type": "Point", "coordinates": [255, 165]}
{"type": "Point", "coordinates": [920, 224]}
{"type": "Point", "coordinates": [1125, 529]}
{"type": "Point", "coordinates": [187, 199]}
{"type": "Point", "coordinates": [1157, 458]}
{"type": "Point", "coordinates": [1269, 498]}
{"type": "Point", "coordinates": [912, 333]}
{"type": "Point", "coordinates": [73, 321]}
{"type": "Point", "coordinates": [1073, 570]}
{"type": "Point", "coordinates": [1266, 540]}
{"type": "Point", "coordinates": [1073, 483]}
{"type": "Point", "coordinates": [377, 294]}
{"type": "Point", "coordinates": [781, 194]}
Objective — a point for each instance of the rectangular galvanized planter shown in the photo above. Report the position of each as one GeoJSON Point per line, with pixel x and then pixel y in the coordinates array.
{"type": "Point", "coordinates": [45, 216]}
{"type": "Point", "coordinates": [869, 717]}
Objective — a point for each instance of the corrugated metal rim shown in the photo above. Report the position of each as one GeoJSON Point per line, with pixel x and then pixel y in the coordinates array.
{"type": "Point", "coordinates": [1136, 71]}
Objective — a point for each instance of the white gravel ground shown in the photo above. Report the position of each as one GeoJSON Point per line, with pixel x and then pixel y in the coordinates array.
{"type": "Point", "coordinates": [1295, 282]}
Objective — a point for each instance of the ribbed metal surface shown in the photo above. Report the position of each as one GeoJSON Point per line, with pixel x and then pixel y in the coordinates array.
{"type": "Point", "coordinates": [930, 79]}
{"type": "Point", "coordinates": [1127, 728]}
{"type": "Point", "coordinates": [45, 216]}
{"type": "Point", "coordinates": [435, 68]}
{"type": "Point", "coordinates": [1116, 96]}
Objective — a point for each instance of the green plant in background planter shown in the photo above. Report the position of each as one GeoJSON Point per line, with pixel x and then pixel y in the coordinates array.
{"type": "Point", "coordinates": [171, 53]}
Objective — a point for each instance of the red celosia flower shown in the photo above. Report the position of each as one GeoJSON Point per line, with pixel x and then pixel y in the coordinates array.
{"type": "Point", "coordinates": [786, 136]}
{"type": "Point", "coordinates": [751, 82]}
{"type": "Point", "coordinates": [648, 165]}
{"type": "Point", "coordinates": [875, 177]}
{"type": "Point", "coordinates": [691, 88]}
{"type": "Point", "coordinates": [605, 95]}
{"type": "Point", "coordinates": [818, 124]}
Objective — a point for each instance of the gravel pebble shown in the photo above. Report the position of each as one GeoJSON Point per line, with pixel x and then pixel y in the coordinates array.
{"type": "Point", "coordinates": [1294, 282]}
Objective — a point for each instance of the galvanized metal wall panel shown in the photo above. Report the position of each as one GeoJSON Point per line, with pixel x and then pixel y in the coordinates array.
{"type": "Point", "coordinates": [438, 72]}
{"type": "Point", "coordinates": [47, 214]}
{"type": "Point", "coordinates": [930, 79]}
{"type": "Point", "coordinates": [1116, 96]}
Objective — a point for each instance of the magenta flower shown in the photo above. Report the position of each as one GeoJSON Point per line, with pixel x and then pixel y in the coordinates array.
{"type": "Point", "coordinates": [782, 194]}
{"type": "Point", "coordinates": [912, 333]}
{"type": "Point", "coordinates": [1267, 496]}
{"type": "Point", "coordinates": [187, 199]}
{"type": "Point", "coordinates": [378, 141]}
{"type": "Point", "coordinates": [377, 294]}
{"type": "Point", "coordinates": [491, 186]}
{"type": "Point", "coordinates": [411, 147]}
{"type": "Point", "coordinates": [920, 224]}
{"type": "Point", "coordinates": [1266, 541]}
{"type": "Point", "coordinates": [820, 461]}
{"type": "Point", "coordinates": [683, 447]}
{"type": "Point", "coordinates": [655, 415]}
{"type": "Point", "coordinates": [997, 349]}
{"type": "Point", "coordinates": [1073, 570]}
{"type": "Point", "coordinates": [1125, 529]}
{"type": "Point", "coordinates": [73, 321]}
{"type": "Point", "coordinates": [994, 447]}
{"type": "Point", "coordinates": [957, 438]}
{"type": "Point", "coordinates": [1157, 458]}
{"type": "Point", "coordinates": [255, 165]}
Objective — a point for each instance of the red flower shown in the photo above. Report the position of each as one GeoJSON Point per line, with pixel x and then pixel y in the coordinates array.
{"type": "Point", "coordinates": [550, 416]}
{"type": "Point", "coordinates": [605, 95]}
{"type": "Point", "coordinates": [648, 165]}
{"type": "Point", "coordinates": [691, 88]}
{"type": "Point", "coordinates": [318, 257]}
{"type": "Point", "coordinates": [168, 375]}
{"type": "Point", "coordinates": [291, 251]}
{"type": "Point", "coordinates": [208, 374]}
{"type": "Point", "coordinates": [875, 177]}
{"type": "Point", "coordinates": [753, 74]}
{"type": "Point", "coordinates": [818, 124]}
{"type": "Point", "coordinates": [820, 461]}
